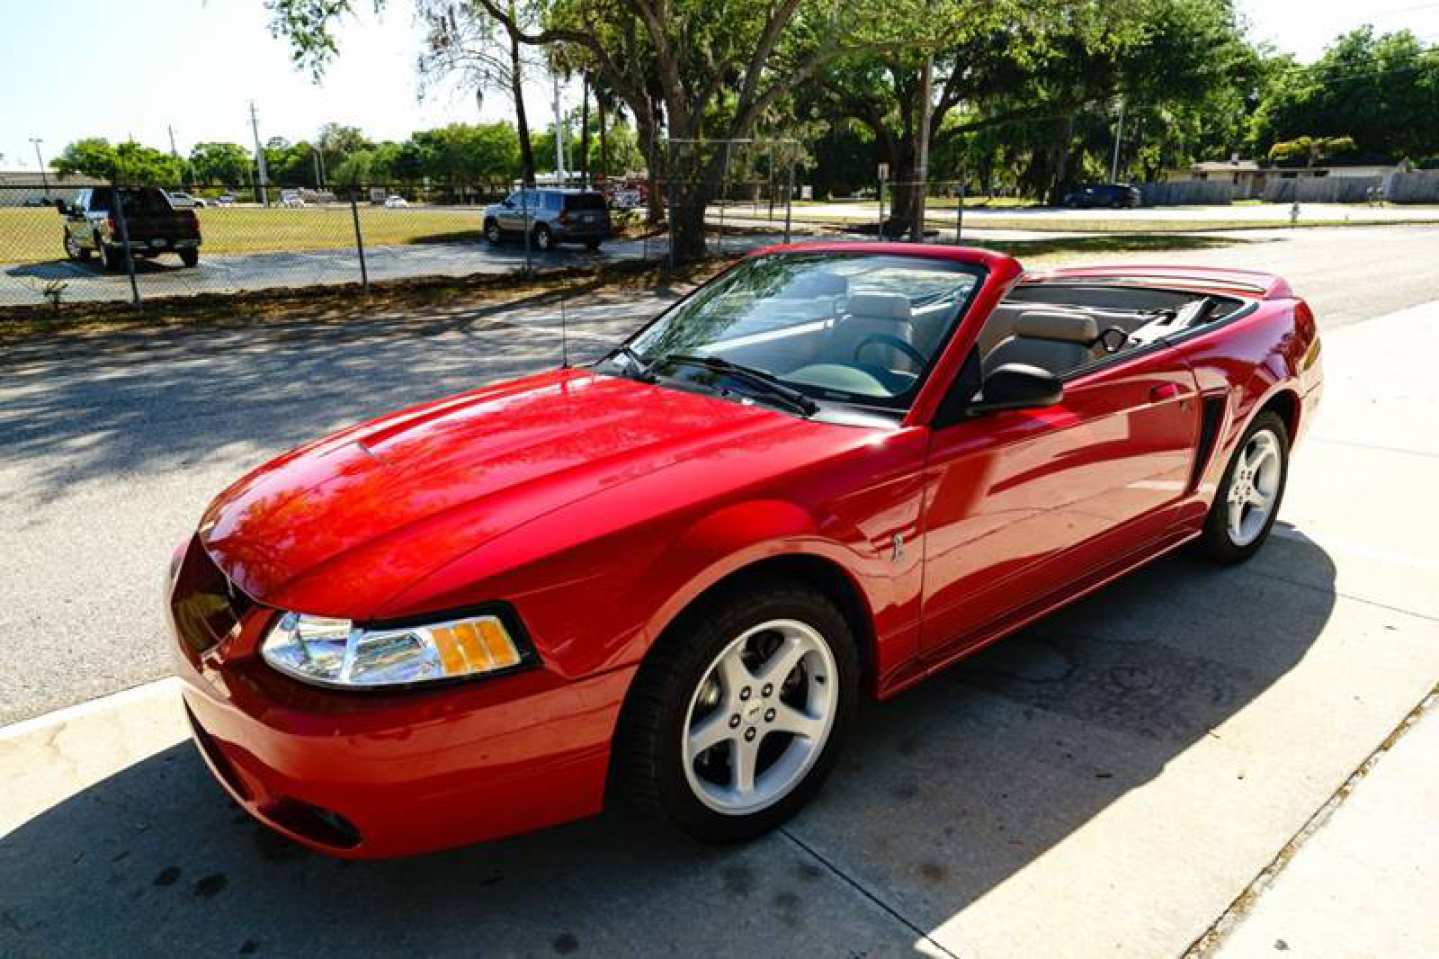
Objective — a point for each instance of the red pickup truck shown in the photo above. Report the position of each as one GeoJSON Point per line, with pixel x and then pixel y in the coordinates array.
{"type": "Point", "coordinates": [151, 224]}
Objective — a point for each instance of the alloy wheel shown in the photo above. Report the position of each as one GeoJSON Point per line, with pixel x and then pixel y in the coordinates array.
{"type": "Point", "coordinates": [1254, 487]}
{"type": "Point", "coordinates": [760, 716]}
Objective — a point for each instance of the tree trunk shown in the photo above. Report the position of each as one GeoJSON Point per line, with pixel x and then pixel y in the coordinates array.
{"type": "Point", "coordinates": [584, 163]}
{"type": "Point", "coordinates": [604, 145]}
{"type": "Point", "coordinates": [522, 123]}
{"type": "Point", "coordinates": [1061, 166]}
{"type": "Point", "coordinates": [926, 78]}
{"type": "Point", "coordinates": [645, 123]}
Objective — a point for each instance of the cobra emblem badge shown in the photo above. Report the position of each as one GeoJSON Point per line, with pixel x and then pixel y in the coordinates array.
{"type": "Point", "coordinates": [897, 548]}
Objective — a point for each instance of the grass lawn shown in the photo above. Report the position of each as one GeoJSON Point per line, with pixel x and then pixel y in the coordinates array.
{"type": "Point", "coordinates": [33, 235]}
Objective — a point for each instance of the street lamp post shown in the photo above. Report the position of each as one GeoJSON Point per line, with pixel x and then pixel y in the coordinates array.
{"type": "Point", "coordinates": [44, 178]}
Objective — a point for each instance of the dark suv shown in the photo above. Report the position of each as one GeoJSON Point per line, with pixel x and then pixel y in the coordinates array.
{"type": "Point", "coordinates": [552, 216]}
{"type": "Point", "coordinates": [152, 225]}
{"type": "Point", "coordinates": [1105, 194]}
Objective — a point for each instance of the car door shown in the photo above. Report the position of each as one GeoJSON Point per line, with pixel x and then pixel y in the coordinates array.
{"type": "Point", "coordinates": [1022, 503]}
{"type": "Point", "coordinates": [77, 221]}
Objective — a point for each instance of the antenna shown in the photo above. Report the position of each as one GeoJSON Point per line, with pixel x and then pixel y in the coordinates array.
{"type": "Point", "coordinates": [564, 337]}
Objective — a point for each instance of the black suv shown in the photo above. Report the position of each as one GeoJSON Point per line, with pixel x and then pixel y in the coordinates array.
{"type": "Point", "coordinates": [1115, 195]}
{"type": "Point", "coordinates": [552, 216]}
{"type": "Point", "coordinates": [152, 225]}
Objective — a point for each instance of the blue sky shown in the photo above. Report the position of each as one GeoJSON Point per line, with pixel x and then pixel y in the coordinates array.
{"type": "Point", "coordinates": [196, 64]}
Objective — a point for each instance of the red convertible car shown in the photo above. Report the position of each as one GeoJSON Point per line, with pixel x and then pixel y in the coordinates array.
{"type": "Point", "coordinates": [671, 576]}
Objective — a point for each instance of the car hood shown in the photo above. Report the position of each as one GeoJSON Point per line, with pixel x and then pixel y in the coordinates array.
{"type": "Point", "coordinates": [339, 526]}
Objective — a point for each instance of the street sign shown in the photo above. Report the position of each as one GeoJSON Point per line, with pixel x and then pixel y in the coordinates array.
{"type": "Point", "coordinates": [883, 172]}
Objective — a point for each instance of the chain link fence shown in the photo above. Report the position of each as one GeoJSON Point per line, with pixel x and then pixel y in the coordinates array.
{"type": "Point", "coordinates": [62, 244]}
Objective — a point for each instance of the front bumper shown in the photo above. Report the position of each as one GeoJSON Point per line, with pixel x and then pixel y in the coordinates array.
{"type": "Point", "coordinates": [365, 775]}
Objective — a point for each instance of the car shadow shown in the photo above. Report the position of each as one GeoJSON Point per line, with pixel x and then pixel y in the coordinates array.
{"type": "Point", "coordinates": [945, 793]}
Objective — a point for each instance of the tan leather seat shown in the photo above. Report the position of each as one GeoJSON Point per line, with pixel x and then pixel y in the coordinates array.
{"type": "Point", "coordinates": [1057, 342]}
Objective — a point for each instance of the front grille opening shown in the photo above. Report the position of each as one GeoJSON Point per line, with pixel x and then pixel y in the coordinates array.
{"type": "Point", "coordinates": [218, 761]}
{"type": "Point", "coordinates": [316, 823]}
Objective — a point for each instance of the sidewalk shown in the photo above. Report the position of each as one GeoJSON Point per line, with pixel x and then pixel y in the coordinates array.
{"type": "Point", "coordinates": [1108, 782]}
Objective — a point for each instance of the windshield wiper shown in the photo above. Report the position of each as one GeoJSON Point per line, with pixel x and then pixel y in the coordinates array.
{"type": "Point", "coordinates": [639, 366]}
{"type": "Point", "coordinates": [768, 385]}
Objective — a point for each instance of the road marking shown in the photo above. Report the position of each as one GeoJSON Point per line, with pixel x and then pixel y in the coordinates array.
{"type": "Point", "coordinates": [169, 686]}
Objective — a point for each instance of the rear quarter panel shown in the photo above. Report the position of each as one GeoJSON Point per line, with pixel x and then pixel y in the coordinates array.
{"type": "Point", "coordinates": [1268, 352]}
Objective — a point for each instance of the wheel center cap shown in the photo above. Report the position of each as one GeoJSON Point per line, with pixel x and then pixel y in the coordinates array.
{"type": "Point", "coordinates": [753, 713]}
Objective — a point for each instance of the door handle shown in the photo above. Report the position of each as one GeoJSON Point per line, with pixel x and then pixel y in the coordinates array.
{"type": "Point", "coordinates": [1164, 391]}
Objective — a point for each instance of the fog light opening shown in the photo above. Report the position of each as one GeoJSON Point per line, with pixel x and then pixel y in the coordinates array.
{"type": "Point", "coordinates": [315, 823]}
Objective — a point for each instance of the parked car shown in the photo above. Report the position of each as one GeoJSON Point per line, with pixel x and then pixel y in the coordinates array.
{"type": "Point", "coordinates": [1116, 195]}
{"type": "Point", "coordinates": [181, 199]}
{"type": "Point", "coordinates": [225, 199]}
{"type": "Point", "coordinates": [551, 216]}
{"type": "Point", "coordinates": [291, 198]}
{"type": "Point", "coordinates": [37, 201]}
{"type": "Point", "coordinates": [395, 201]}
{"type": "Point", "coordinates": [151, 224]}
{"type": "Point", "coordinates": [670, 576]}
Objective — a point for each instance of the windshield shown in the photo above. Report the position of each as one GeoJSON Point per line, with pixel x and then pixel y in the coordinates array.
{"type": "Point", "coordinates": [862, 329]}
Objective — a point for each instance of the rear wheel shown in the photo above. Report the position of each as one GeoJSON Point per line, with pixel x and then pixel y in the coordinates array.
{"type": "Point", "coordinates": [492, 232]}
{"type": "Point", "coordinates": [1247, 502]}
{"type": "Point", "coordinates": [592, 245]}
{"type": "Point", "coordinates": [189, 255]}
{"type": "Point", "coordinates": [736, 719]}
{"type": "Point", "coordinates": [544, 239]}
{"type": "Point", "coordinates": [110, 259]}
{"type": "Point", "coordinates": [73, 249]}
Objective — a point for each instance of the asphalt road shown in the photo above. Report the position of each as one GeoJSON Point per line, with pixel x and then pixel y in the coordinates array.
{"type": "Point", "coordinates": [111, 446]}
{"type": "Point", "coordinates": [1122, 779]}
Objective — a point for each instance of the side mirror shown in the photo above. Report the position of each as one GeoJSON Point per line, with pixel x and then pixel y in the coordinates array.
{"type": "Point", "coordinates": [507, 203]}
{"type": "Point", "coordinates": [1017, 386]}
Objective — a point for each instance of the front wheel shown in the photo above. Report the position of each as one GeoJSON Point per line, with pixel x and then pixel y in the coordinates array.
{"type": "Point", "coordinates": [737, 717]}
{"type": "Point", "coordinates": [190, 255]}
{"type": "Point", "coordinates": [592, 245]}
{"type": "Point", "coordinates": [492, 232]}
{"type": "Point", "coordinates": [544, 239]}
{"type": "Point", "coordinates": [1247, 502]}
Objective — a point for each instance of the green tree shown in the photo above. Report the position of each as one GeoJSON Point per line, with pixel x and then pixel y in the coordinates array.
{"type": "Point", "coordinates": [1382, 90]}
{"type": "Point", "coordinates": [220, 163]}
{"type": "Point", "coordinates": [128, 162]}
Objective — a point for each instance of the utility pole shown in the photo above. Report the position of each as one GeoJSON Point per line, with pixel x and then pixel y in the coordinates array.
{"type": "Point", "coordinates": [44, 177]}
{"type": "Point", "coordinates": [259, 156]}
{"type": "Point", "coordinates": [1118, 136]}
{"type": "Point", "coordinates": [171, 130]}
{"type": "Point", "coordinates": [315, 156]}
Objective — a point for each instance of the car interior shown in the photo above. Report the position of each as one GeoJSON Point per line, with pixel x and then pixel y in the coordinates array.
{"type": "Point", "coordinates": [864, 329]}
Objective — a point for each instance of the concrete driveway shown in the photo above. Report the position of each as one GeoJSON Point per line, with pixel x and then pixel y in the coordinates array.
{"type": "Point", "coordinates": [1111, 781]}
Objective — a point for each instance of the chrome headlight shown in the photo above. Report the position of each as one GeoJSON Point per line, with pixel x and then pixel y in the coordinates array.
{"type": "Point", "coordinates": [336, 652]}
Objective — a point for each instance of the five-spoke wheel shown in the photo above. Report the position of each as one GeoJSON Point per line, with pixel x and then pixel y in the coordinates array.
{"type": "Point", "coordinates": [760, 717]}
{"type": "Point", "coordinates": [1247, 501]}
{"type": "Point", "coordinates": [737, 714]}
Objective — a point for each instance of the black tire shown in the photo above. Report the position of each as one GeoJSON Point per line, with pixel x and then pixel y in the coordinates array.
{"type": "Point", "coordinates": [648, 772]}
{"type": "Point", "coordinates": [73, 250]}
{"type": "Point", "coordinates": [1217, 542]}
{"type": "Point", "coordinates": [544, 239]}
{"type": "Point", "coordinates": [592, 245]}
{"type": "Point", "coordinates": [492, 232]}
{"type": "Point", "coordinates": [189, 255]}
{"type": "Point", "coordinates": [111, 260]}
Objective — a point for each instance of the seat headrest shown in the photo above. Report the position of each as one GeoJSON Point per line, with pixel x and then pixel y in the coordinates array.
{"type": "Point", "coordinates": [1065, 327]}
{"type": "Point", "coordinates": [820, 283]}
{"type": "Point", "coordinates": [887, 306]}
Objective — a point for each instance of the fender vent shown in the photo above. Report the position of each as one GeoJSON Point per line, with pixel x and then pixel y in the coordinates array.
{"type": "Point", "coordinates": [1211, 414]}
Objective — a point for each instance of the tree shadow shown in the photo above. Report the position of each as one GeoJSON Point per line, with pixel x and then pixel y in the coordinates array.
{"type": "Point", "coordinates": [946, 793]}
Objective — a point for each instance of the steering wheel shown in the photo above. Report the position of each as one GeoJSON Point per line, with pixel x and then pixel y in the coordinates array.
{"type": "Point", "coordinates": [885, 339]}
{"type": "Point", "coordinates": [1103, 339]}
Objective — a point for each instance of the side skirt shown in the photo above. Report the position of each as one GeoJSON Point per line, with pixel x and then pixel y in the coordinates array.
{"type": "Point", "coordinates": [1040, 608]}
